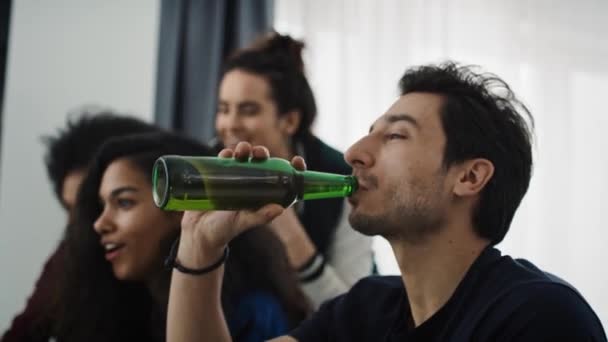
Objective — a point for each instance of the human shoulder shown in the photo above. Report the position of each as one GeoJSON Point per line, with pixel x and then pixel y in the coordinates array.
{"type": "Point", "coordinates": [541, 310]}
{"type": "Point", "coordinates": [535, 305]}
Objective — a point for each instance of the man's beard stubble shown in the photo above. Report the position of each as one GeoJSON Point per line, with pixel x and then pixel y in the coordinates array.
{"type": "Point", "coordinates": [411, 217]}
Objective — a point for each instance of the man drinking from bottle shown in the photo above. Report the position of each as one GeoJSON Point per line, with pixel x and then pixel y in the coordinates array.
{"type": "Point", "coordinates": [441, 174]}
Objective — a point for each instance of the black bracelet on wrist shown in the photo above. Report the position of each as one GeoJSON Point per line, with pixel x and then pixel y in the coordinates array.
{"type": "Point", "coordinates": [312, 269]}
{"type": "Point", "coordinates": [305, 266]}
{"type": "Point", "coordinates": [172, 262]}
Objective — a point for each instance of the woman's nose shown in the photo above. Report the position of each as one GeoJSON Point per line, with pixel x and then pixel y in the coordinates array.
{"type": "Point", "coordinates": [103, 224]}
{"type": "Point", "coordinates": [232, 121]}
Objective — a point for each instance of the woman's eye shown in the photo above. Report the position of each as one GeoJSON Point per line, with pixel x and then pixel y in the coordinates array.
{"type": "Point", "coordinates": [249, 110]}
{"type": "Point", "coordinates": [124, 203]}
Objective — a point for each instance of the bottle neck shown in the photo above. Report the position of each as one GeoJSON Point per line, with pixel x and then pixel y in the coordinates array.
{"type": "Point", "coordinates": [321, 185]}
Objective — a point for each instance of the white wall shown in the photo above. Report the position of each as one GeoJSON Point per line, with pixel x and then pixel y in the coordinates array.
{"type": "Point", "coordinates": [62, 54]}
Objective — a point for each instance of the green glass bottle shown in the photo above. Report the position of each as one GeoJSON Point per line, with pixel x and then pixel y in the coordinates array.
{"type": "Point", "coordinates": [213, 183]}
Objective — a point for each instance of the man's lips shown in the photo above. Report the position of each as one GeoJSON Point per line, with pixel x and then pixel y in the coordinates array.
{"type": "Point", "coordinates": [353, 198]}
{"type": "Point", "coordinates": [362, 186]}
{"type": "Point", "coordinates": [352, 201]}
{"type": "Point", "coordinates": [366, 181]}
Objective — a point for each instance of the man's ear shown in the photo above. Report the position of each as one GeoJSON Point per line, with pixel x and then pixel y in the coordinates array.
{"type": "Point", "coordinates": [290, 122]}
{"type": "Point", "coordinates": [473, 176]}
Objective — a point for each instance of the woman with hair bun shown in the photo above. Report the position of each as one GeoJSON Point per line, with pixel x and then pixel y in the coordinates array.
{"type": "Point", "coordinates": [265, 99]}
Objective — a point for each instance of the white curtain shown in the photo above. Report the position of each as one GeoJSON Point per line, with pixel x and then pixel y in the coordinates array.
{"type": "Point", "coordinates": [554, 54]}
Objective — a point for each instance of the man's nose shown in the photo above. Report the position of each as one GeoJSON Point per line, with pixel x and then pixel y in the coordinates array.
{"type": "Point", "coordinates": [359, 154]}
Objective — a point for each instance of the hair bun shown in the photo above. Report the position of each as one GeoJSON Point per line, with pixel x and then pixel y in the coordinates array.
{"type": "Point", "coordinates": [277, 44]}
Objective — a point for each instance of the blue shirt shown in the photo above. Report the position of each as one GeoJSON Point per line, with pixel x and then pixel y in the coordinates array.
{"type": "Point", "coordinates": [258, 316]}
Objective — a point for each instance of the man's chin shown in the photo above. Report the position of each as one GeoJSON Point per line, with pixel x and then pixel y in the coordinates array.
{"type": "Point", "coordinates": [366, 224]}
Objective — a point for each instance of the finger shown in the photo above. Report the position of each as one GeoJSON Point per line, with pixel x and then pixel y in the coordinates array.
{"type": "Point", "coordinates": [226, 153]}
{"type": "Point", "coordinates": [242, 151]}
{"type": "Point", "coordinates": [267, 213]}
{"type": "Point", "coordinates": [272, 211]}
{"type": "Point", "coordinates": [260, 153]}
{"type": "Point", "coordinates": [299, 163]}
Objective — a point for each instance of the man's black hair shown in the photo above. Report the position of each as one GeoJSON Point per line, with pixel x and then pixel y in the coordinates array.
{"type": "Point", "coordinates": [482, 118]}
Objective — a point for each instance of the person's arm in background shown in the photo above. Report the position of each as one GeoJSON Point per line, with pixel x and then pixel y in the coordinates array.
{"type": "Point", "coordinates": [349, 256]}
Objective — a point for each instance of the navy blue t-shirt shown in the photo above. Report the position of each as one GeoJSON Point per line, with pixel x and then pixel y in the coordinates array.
{"type": "Point", "coordinates": [499, 299]}
{"type": "Point", "coordinates": [258, 316]}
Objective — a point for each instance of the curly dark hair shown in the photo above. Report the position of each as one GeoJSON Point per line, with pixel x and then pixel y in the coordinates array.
{"type": "Point", "coordinates": [482, 118]}
{"type": "Point", "coordinates": [73, 146]}
{"type": "Point", "coordinates": [95, 306]}
{"type": "Point", "coordinates": [278, 59]}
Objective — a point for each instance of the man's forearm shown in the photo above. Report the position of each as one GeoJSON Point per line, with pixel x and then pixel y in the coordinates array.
{"type": "Point", "coordinates": [195, 310]}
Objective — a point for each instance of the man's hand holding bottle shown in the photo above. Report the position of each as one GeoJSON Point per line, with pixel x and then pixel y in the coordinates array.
{"type": "Point", "coordinates": [205, 234]}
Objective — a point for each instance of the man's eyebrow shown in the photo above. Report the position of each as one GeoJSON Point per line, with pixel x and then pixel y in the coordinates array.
{"type": "Point", "coordinates": [392, 118]}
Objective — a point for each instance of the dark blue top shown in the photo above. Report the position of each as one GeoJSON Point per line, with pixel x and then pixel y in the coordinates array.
{"type": "Point", "coordinates": [258, 316]}
{"type": "Point", "coordinates": [499, 299]}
